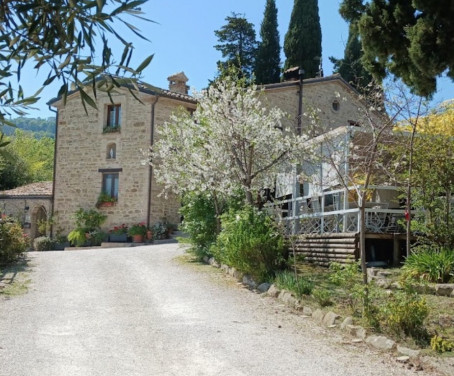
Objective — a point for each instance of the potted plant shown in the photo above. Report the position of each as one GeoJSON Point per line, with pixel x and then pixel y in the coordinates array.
{"type": "Point", "coordinates": [87, 231]}
{"type": "Point", "coordinates": [137, 231]}
{"type": "Point", "coordinates": [119, 234]}
{"type": "Point", "coordinates": [105, 200]}
{"type": "Point", "coordinates": [61, 242]}
{"type": "Point", "coordinates": [149, 235]}
{"type": "Point", "coordinates": [159, 230]}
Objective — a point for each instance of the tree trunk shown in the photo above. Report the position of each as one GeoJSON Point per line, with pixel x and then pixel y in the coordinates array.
{"type": "Point", "coordinates": [249, 198]}
{"type": "Point", "coordinates": [218, 212]}
{"type": "Point", "coordinates": [362, 237]}
{"type": "Point", "coordinates": [409, 187]}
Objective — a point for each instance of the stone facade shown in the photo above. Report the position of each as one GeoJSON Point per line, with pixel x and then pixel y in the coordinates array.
{"type": "Point", "coordinates": [28, 204]}
{"type": "Point", "coordinates": [332, 98]}
{"type": "Point", "coordinates": [83, 156]}
{"type": "Point", "coordinates": [84, 152]}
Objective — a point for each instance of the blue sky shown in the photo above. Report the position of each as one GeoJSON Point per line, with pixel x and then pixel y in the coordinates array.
{"type": "Point", "coordinates": [182, 39]}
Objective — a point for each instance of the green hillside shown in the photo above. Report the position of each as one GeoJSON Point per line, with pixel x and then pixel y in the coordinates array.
{"type": "Point", "coordinates": [38, 126]}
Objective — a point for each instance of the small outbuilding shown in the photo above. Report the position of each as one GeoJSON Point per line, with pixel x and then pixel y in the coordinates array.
{"type": "Point", "coordinates": [29, 204]}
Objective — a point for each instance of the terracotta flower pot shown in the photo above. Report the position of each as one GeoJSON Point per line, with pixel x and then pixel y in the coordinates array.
{"type": "Point", "coordinates": [137, 238]}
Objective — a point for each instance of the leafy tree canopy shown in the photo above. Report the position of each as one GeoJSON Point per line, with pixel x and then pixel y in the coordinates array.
{"type": "Point", "coordinates": [26, 159]}
{"type": "Point", "coordinates": [14, 171]}
{"type": "Point", "coordinates": [351, 67]}
{"type": "Point", "coordinates": [410, 39]}
{"type": "Point", "coordinates": [237, 44]}
{"type": "Point", "coordinates": [303, 41]}
{"type": "Point", "coordinates": [440, 121]}
{"type": "Point", "coordinates": [267, 68]}
{"type": "Point", "coordinates": [231, 143]}
{"type": "Point", "coordinates": [69, 39]}
{"type": "Point", "coordinates": [38, 126]}
{"type": "Point", "coordinates": [437, 122]}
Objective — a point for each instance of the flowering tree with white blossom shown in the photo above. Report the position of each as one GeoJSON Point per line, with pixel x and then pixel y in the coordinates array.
{"type": "Point", "coordinates": [233, 141]}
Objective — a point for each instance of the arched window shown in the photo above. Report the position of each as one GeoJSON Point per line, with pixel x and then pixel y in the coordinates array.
{"type": "Point", "coordinates": [111, 152]}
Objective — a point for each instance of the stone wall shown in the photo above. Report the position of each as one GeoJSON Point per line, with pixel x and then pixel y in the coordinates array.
{"type": "Point", "coordinates": [82, 151]}
{"type": "Point", "coordinates": [27, 210]}
{"type": "Point", "coordinates": [318, 95]}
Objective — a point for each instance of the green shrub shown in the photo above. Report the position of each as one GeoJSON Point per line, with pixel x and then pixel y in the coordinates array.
{"type": "Point", "coordinates": [43, 243]}
{"type": "Point", "coordinates": [159, 231]}
{"type": "Point", "coordinates": [323, 297]}
{"type": "Point", "coordinates": [13, 242]}
{"type": "Point", "coordinates": [288, 281]}
{"type": "Point", "coordinates": [250, 242]}
{"type": "Point", "coordinates": [426, 264]}
{"type": "Point", "coordinates": [345, 276]}
{"type": "Point", "coordinates": [87, 230]}
{"type": "Point", "coordinates": [199, 222]}
{"type": "Point", "coordinates": [77, 237]}
{"type": "Point", "coordinates": [364, 298]}
{"type": "Point", "coordinates": [95, 237]}
{"type": "Point", "coordinates": [404, 313]}
{"type": "Point", "coordinates": [440, 344]}
{"type": "Point", "coordinates": [348, 278]}
{"type": "Point", "coordinates": [90, 219]}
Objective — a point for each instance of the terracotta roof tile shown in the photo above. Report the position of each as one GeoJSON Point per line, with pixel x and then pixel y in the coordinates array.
{"type": "Point", "coordinates": [43, 188]}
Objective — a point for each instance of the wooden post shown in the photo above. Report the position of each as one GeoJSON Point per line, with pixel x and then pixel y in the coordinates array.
{"type": "Point", "coordinates": [295, 206]}
{"type": "Point", "coordinates": [396, 250]}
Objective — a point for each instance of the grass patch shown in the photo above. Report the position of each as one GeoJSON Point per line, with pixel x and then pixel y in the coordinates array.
{"type": "Point", "coordinates": [14, 279]}
{"type": "Point", "coordinates": [299, 286]}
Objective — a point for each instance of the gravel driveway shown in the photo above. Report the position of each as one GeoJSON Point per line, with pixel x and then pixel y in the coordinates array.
{"type": "Point", "coordinates": [142, 311]}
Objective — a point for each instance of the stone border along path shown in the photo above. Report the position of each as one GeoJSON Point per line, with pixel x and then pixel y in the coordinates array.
{"type": "Point", "coordinates": [381, 279]}
{"type": "Point", "coordinates": [412, 358]}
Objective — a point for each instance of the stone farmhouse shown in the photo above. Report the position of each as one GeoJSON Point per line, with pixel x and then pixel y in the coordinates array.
{"type": "Point", "coordinates": [101, 150]}
{"type": "Point", "coordinates": [29, 204]}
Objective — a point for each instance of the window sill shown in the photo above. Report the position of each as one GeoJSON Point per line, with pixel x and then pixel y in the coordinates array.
{"type": "Point", "coordinates": [105, 204]}
{"type": "Point", "coordinates": [111, 129]}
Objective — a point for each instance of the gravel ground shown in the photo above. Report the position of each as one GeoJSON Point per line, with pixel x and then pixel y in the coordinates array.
{"type": "Point", "coordinates": [142, 311]}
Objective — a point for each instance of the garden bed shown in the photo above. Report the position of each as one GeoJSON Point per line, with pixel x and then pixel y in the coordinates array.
{"type": "Point", "coordinates": [440, 319]}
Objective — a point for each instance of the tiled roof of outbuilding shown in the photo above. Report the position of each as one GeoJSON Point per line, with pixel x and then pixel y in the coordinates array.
{"type": "Point", "coordinates": [144, 88]}
{"type": "Point", "coordinates": [43, 188]}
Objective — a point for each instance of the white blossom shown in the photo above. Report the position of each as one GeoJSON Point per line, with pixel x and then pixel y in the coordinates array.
{"type": "Point", "coordinates": [231, 141]}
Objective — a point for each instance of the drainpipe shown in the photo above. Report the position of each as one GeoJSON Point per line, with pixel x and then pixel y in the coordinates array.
{"type": "Point", "coordinates": [300, 101]}
{"type": "Point", "coordinates": [150, 168]}
{"type": "Point", "coordinates": [54, 172]}
{"type": "Point", "coordinates": [296, 185]}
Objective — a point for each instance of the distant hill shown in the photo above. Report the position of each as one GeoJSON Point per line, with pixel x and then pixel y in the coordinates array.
{"type": "Point", "coordinates": [39, 127]}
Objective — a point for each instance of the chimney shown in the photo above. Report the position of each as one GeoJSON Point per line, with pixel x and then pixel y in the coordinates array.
{"type": "Point", "coordinates": [177, 83]}
{"type": "Point", "coordinates": [292, 74]}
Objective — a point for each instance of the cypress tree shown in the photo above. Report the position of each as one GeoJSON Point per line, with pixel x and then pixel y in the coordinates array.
{"type": "Point", "coordinates": [351, 67]}
{"type": "Point", "coordinates": [303, 41]}
{"type": "Point", "coordinates": [267, 68]}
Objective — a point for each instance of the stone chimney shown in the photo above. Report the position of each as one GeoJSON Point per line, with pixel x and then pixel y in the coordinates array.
{"type": "Point", "coordinates": [177, 83]}
{"type": "Point", "coordinates": [292, 74]}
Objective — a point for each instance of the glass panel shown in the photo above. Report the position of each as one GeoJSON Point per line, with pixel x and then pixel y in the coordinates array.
{"type": "Point", "coordinates": [107, 184]}
{"type": "Point", "coordinates": [115, 186]}
{"type": "Point", "coordinates": [113, 115]}
{"type": "Point", "coordinates": [118, 118]}
{"type": "Point", "coordinates": [110, 184]}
